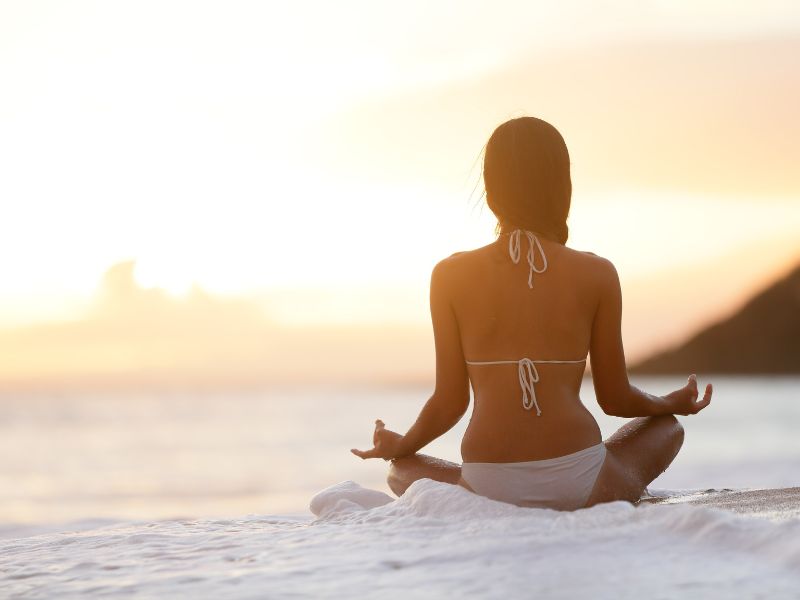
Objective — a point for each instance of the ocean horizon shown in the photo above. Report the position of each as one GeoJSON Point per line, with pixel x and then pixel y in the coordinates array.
{"type": "Point", "coordinates": [68, 456]}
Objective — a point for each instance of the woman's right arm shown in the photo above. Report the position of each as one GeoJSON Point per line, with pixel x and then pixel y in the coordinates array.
{"type": "Point", "coordinates": [615, 395]}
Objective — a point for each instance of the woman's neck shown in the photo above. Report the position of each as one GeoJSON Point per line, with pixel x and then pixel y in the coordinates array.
{"type": "Point", "coordinates": [506, 230]}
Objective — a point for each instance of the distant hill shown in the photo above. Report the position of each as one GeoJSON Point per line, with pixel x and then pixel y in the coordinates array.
{"type": "Point", "coordinates": [763, 337]}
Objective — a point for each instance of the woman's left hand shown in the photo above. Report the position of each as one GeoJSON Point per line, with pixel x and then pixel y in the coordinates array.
{"type": "Point", "coordinates": [386, 444]}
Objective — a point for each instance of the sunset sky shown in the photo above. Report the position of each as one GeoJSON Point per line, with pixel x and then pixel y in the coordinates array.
{"type": "Point", "coordinates": [316, 159]}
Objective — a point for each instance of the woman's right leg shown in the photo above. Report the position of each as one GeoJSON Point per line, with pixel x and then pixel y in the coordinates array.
{"type": "Point", "coordinates": [636, 454]}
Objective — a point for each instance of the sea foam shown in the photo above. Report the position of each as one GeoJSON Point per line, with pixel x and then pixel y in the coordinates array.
{"type": "Point", "coordinates": [437, 540]}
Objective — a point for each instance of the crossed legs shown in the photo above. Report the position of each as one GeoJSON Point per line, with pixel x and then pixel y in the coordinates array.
{"type": "Point", "coordinates": [637, 453]}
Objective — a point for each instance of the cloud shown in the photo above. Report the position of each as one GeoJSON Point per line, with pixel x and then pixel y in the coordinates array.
{"type": "Point", "coordinates": [134, 337]}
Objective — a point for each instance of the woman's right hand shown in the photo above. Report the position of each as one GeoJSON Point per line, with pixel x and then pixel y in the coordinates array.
{"type": "Point", "coordinates": [684, 401]}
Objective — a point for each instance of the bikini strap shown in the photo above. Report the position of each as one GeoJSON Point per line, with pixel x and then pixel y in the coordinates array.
{"type": "Point", "coordinates": [533, 242]}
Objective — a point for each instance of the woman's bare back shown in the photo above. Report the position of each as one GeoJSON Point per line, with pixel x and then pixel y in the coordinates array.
{"type": "Point", "coordinates": [501, 318]}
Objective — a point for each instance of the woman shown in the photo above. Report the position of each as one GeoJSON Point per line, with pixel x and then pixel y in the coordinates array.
{"type": "Point", "coordinates": [516, 319]}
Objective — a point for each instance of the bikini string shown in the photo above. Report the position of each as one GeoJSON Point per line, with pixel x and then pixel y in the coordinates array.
{"type": "Point", "coordinates": [533, 242]}
{"type": "Point", "coordinates": [528, 376]}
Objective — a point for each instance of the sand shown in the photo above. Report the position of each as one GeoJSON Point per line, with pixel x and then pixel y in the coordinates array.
{"type": "Point", "coordinates": [777, 504]}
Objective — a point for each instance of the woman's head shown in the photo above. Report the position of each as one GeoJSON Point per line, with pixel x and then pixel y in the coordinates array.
{"type": "Point", "coordinates": [526, 174]}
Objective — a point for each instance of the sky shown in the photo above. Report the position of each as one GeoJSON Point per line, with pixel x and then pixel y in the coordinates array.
{"type": "Point", "coordinates": [317, 159]}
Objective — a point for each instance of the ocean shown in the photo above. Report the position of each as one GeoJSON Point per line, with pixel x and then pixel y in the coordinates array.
{"type": "Point", "coordinates": [70, 456]}
{"type": "Point", "coordinates": [207, 495]}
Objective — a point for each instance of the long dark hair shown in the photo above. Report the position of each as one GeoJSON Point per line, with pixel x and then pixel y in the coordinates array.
{"type": "Point", "coordinates": [526, 175]}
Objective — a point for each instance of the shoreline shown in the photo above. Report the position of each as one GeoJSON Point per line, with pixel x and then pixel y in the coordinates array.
{"type": "Point", "coordinates": [775, 503]}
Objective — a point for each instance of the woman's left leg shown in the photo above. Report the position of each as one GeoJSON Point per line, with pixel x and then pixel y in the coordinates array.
{"type": "Point", "coordinates": [405, 471]}
{"type": "Point", "coordinates": [636, 454]}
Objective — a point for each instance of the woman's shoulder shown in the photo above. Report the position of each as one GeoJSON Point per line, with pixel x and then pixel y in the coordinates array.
{"type": "Point", "coordinates": [459, 266]}
{"type": "Point", "coordinates": [585, 266]}
{"type": "Point", "coordinates": [598, 267]}
{"type": "Point", "coordinates": [590, 258]}
{"type": "Point", "coordinates": [448, 264]}
{"type": "Point", "coordinates": [463, 257]}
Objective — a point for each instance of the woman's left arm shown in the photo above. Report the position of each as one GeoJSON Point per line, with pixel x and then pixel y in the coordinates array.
{"type": "Point", "coordinates": [450, 398]}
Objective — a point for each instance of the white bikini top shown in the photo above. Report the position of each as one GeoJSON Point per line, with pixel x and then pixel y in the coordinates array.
{"type": "Point", "coordinates": [526, 367]}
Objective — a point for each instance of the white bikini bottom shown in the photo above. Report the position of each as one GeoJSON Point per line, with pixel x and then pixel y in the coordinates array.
{"type": "Point", "coordinates": [561, 483]}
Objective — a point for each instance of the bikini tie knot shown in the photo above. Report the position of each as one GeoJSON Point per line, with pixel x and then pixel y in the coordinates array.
{"type": "Point", "coordinates": [533, 242]}
{"type": "Point", "coordinates": [528, 376]}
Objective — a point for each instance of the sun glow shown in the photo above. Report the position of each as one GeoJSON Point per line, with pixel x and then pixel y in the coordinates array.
{"type": "Point", "coordinates": [323, 165]}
